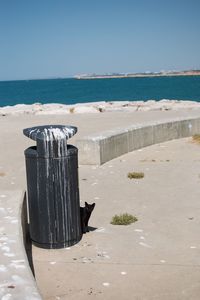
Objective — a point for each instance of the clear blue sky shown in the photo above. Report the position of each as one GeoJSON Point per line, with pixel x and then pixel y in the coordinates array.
{"type": "Point", "coordinates": [60, 38]}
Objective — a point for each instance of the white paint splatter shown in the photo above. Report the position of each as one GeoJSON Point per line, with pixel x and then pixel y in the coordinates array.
{"type": "Point", "coordinates": [193, 247]}
{"type": "Point", "coordinates": [3, 268]}
{"type": "Point", "coordinates": [6, 297]}
{"type": "Point", "coordinates": [9, 218]}
{"type": "Point", "coordinates": [100, 229]}
{"type": "Point", "coordinates": [106, 283]}
{"type": "Point", "coordinates": [103, 254]}
{"type": "Point", "coordinates": [142, 237]}
{"type": "Point", "coordinates": [9, 254]}
{"type": "Point", "coordinates": [163, 261]}
{"type": "Point", "coordinates": [86, 260]}
{"type": "Point", "coordinates": [17, 266]}
{"type": "Point", "coordinates": [123, 273]}
{"type": "Point", "coordinates": [18, 261]}
{"type": "Point", "coordinates": [3, 238]}
{"type": "Point", "coordinates": [144, 245]}
{"type": "Point", "coordinates": [96, 198]}
{"type": "Point", "coordinates": [5, 248]}
{"type": "Point", "coordinates": [3, 196]}
{"type": "Point", "coordinates": [52, 262]}
{"type": "Point", "coordinates": [138, 230]}
{"type": "Point", "coordinates": [14, 221]}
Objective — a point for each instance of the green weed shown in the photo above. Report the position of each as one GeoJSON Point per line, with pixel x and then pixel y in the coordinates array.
{"type": "Point", "coordinates": [135, 175]}
{"type": "Point", "coordinates": [123, 219]}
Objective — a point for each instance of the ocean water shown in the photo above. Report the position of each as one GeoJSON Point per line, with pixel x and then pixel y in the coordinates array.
{"type": "Point", "coordinates": [70, 91]}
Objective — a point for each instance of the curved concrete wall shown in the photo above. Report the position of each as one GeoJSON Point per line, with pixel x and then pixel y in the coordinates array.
{"type": "Point", "coordinates": [100, 148]}
{"type": "Point", "coordinates": [16, 278]}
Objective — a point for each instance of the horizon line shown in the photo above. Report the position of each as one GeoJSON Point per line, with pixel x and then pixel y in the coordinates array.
{"type": "Point", "coordinates": [98, 74]}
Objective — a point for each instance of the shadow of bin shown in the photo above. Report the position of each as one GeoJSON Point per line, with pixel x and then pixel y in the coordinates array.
{"type": "Point", "coordinates": [52, 184]}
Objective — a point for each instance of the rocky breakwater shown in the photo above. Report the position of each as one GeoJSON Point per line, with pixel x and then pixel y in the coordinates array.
{"type": "Point", "coordinates": [98, 107]}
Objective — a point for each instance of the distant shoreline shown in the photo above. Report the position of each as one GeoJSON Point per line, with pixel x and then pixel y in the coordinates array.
{"type": "Point", "coordinates": [139, 75]}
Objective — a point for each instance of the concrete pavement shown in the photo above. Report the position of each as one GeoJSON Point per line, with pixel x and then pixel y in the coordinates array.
{"type": "Point", "coordinates": [154, 258]}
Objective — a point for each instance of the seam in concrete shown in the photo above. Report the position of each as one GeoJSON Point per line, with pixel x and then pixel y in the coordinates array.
{"type": "Point", "coordinates": [16, 278]}
{"type": "Point", "coordinates": [99, 148]}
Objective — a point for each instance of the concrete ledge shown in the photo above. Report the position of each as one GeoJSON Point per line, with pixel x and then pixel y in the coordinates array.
{"type": "Point", "coordinates": [100, 148]}
{"type": "Point", "coordinates": [16, 278]}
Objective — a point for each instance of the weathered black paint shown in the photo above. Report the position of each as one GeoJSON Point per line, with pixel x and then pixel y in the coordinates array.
{"type": "Point", "coordinates": [53, 192]}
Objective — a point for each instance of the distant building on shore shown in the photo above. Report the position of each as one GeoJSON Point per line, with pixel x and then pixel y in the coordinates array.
{"type": "Point", "coordinates": [145, 74]}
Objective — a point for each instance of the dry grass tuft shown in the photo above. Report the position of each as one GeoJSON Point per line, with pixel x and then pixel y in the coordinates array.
{"type": "Point", "coordinates": [71, 110]}
{"type": "Point", "coordinates": [135, 175]}
{"type": "Point", "coordinates": [123, 219]}
{"type": "Point", "coordinates": [196, 138]}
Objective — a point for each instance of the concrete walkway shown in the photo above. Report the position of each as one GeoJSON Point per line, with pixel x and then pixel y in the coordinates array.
{"type": "Point", "coordinates": [154, 258]}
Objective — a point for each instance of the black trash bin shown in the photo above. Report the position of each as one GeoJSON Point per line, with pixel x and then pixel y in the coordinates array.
{"type": "Point", "coordinates": [52, 184]}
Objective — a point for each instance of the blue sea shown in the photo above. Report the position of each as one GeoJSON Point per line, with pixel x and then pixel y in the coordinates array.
{"type": "Point", "coordinates": [71, 91]}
